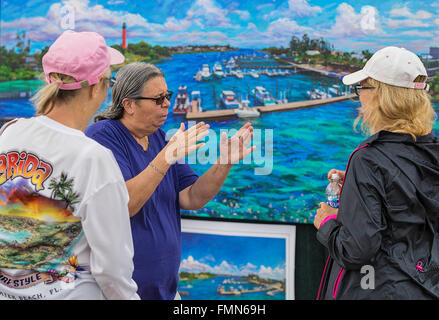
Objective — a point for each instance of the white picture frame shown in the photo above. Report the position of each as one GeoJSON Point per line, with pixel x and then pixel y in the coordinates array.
{"type": "Point", "coordinates": [234, 232]}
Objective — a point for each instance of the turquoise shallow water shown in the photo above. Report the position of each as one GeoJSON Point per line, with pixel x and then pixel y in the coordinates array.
{"type": "Point", "coordinates": [206, 289]}
{"type": "Point", "coordinates": [306, 144]}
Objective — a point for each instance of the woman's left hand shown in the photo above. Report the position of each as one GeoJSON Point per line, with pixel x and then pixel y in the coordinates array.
{"type": "Point", "coordinates": [236, 148]}
{"type": "Point", "coordinates": [324, 211]}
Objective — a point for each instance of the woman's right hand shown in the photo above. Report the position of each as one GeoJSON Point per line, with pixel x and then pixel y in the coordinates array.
{"type": "Point", "coordinates": [340, 173]}
{"type": "Point", "coordinates": [184, 142]}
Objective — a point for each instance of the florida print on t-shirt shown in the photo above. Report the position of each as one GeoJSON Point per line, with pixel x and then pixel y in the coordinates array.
{"type": "Point", "coordinates": [37, 232]}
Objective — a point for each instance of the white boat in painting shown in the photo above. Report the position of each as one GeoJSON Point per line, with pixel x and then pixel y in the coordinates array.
{"type": "Point", "coordinates": [263, 96]}
{"type": "Point", "coordinates": [182, 102]}
{"type": "Point", "coordinates": [334, 90]}
{"type": "Point", "coordinates": [205, 72]}
{"type": "Point", "coordinates": [323, 94]}
{"type": "Point", "coordinates": [254, 74]}
{"type": "Point", "coordinates": [313, 94]}
{"type": "Point", "coordinates": [245, 111]}
{"type": "Point", "coordinates": [218, 71]}
{"type": "Point", "coordinates": [239, 74]}
{"type": "Point", "coordinates": [231, 63]}
{"type": "Point", "coordinates": [229, 101]}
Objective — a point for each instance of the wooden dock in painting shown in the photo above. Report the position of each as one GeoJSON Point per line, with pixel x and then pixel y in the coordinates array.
{"type": "Point", "coordinates": [218, 115]}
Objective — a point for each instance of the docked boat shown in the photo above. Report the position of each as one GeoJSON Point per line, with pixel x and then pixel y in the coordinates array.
{"type": "Point", "coordinates": [231, 63]}
{"type": "Point", "coordinates": [263, 96]}
{"type": "Point", "coordinates": [313, 94]}
{"type": "Point", "coordinates": [245, 111]}
{"type": "Point", "coordinates": [334, 90]}
{"type": "Point", "coordinates": [323, 94]}
{"type": "Point", "coordinates": [229, 101]}
{"type": "Point", "coordinates": [254, 74]}
{"type": "Point", "coordinates": [182, 102]}
{"type": "Point", "coordinates": [205, 72]}
{"type": "Point", "coordinates": [239, 74]}
{"type": "Point", "coordinates": [218, 71]}
{"type": "Point", "coordinates": [269, 73]}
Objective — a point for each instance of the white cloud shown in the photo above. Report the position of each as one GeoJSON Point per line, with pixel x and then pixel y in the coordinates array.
{"type": "Point", "coordinates": [198, 37]}
{"type": "Point", "coordinates": [295, 9]}
{"type": "Point", "coordinates": [348, 23]}
{"type": "Point", "coordinates": [415, 33]}
{"type": "Point", "coordinates": [405, 18]}
{"type": "Point", "coordinates": [278, 33]}
{"type": "Point", "coordinates": [243, 14]}
{"type": "Point", "coordinates": [405, 12]}
{"type": "Point", "coordinates": [173, 25]}
{"type": "Point", "coordinates": [252, 26]}
{"type": "Point", "coordinates": [284, 28]}
{"type": "Point", "coordinates": [192, 265]}
{"type": "Point", "coordinates": [96, 18]}
{"type": "Point", "coordinates": [209, 13]}
{"type": "Point", "coordinates": [115, 2]}
{"type": "Point", "coordinates": [405, 23]}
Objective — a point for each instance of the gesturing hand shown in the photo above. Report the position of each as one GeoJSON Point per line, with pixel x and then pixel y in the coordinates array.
{"type": "Point", "coordinates": [184, 142]}
{"type": "Point", "coordinates": [236, 148]}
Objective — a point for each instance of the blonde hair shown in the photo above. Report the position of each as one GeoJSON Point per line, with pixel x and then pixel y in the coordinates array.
{"type": "Point", "coordinates": [44, 100]}
{"type": "Point", "coordinates": [397, 109]}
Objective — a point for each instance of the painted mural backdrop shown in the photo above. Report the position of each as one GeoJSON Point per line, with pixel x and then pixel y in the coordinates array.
{"type": "Point", "coordinates": [290, 51]}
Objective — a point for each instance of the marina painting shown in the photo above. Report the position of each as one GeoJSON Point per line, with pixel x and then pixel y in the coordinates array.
{"type": "Point", "coordinates": [227, 261]}
{"type": "Point", "coordinates": [276, 64]}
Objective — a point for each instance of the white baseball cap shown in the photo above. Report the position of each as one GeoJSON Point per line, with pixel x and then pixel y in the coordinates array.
{"type": "Point", "coordinates": [392, 65]}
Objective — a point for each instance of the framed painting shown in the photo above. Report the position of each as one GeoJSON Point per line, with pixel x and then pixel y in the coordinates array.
{"type": "Point", "coordinates": [237, 261]}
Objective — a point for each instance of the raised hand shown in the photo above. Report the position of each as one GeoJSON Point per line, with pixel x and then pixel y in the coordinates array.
{"type": "Point", "coordinates": [236, 148]}
{"type": "Point", "coordinates": [184, 142]}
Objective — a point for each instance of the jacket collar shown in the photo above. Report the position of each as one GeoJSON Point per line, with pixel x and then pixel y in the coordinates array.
{"type": "Point", "coordinates": [386, 136]}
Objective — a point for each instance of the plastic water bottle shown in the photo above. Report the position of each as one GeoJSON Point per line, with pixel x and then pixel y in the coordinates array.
{"type": "Point", "coordinates": [333, 191]}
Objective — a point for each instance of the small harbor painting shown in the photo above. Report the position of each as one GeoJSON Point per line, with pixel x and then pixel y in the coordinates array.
{"type": "Point", "coordinates": [236, 261]}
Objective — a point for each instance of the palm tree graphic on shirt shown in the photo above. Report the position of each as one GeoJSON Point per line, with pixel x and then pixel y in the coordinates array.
{"type": "Point", "coordinates": [62, 189]}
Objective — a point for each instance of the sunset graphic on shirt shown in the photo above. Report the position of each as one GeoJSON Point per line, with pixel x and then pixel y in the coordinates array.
{"type": "Point", "coordinates": [37, 232]}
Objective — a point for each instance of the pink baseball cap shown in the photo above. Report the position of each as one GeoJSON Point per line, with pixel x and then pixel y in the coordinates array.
{"type": "Point", "coordinates": [392, 65]}
{"type": "Point", "coordinates": [81, 55]}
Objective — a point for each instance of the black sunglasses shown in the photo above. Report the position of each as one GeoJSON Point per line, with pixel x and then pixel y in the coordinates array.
{"type": "Point", "coordinates": [358, 88]}
{"type": "Point", "coordinates": [158, 101]}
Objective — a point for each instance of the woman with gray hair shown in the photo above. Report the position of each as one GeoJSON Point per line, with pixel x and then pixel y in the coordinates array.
{"type": "Point", "coordinates": [157, 184]}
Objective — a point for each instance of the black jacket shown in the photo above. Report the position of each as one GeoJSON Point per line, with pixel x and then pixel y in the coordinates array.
{"type": "Point", "coordinates": [387, 224]}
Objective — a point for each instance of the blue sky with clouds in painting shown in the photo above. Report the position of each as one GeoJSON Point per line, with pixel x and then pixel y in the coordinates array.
{"type": "Point", "coordinates": [234, 255]}
{"type": "Point", "coordinates": [348, 25]}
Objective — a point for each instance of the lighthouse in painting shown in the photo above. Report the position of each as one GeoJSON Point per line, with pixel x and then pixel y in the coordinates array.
{"type": "Point", "coordinates": [124, 36]}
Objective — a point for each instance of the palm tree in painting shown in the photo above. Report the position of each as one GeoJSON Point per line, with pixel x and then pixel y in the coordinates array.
{"type": "Point", "coordinates": [62, 189]}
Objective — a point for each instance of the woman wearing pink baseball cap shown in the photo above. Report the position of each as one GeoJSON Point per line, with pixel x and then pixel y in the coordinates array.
{"type": "Point", "coordinates": [64, 203]}
{"type": "Point", "coordinates": [383, 240]}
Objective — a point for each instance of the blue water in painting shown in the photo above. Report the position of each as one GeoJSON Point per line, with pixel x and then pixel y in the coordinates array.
{"type": "Point", "coordinates": [13, 236]}
{"type": "Point", "coordinates": [206, 289]}
{"type": "Point", "coordinates": [307, 143]}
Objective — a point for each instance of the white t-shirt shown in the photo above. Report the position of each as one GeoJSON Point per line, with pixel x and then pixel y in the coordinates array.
{"type": "Point", "coordinates": [64, 221]}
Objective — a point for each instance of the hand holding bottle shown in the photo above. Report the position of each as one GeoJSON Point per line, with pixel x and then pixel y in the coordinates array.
{"type": "Point", "coordinates": [340, 173]}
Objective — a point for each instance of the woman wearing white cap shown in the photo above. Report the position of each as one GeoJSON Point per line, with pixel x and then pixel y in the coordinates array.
{"type": "Point", "coordinates": [383, 240]}
{"type": "Point", "coordinates": [64, 226]}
